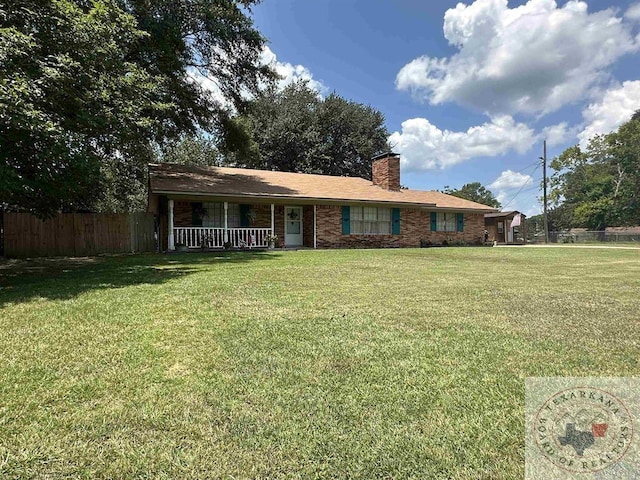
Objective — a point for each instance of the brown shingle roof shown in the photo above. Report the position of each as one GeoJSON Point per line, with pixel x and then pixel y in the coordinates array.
{"type": "Point", "coordinates": [241, 182]}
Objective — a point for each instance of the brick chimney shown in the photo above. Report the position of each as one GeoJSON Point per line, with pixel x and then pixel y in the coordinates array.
{"type": "Point", "coordinates": [386, 171]}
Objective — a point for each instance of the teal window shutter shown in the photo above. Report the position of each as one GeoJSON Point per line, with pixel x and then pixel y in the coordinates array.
{"type": "Point", "coordinates": [460, 222]}
{"type": "Point", "coordinates": [346, 220]}
{"type": "Point", "coordinates": [244, 215]}
{"type": "Point", "coordinates": [395, 221]}
{"type": "Point", "coordinates": [434, 221]}
{"type": "Point", "coordinates": [196, 212]}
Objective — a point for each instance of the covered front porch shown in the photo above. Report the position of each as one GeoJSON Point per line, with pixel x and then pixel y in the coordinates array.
{"type": "Point", "coordinates": [214, 224]}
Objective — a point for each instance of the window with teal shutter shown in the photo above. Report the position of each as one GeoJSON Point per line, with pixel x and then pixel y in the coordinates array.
{"type": "Point", "coordinates": [244, 215]}
{"type": "Point", "coordinates": [395, 221]}
{"type": "Point", "coordinates": [434, 221]}
{"type": "Point", "coordinates": [346, 220]}
{"type": "Point", "coordinates": [196, 214]}
{"type": "Point", "coordinates": [460, 222]}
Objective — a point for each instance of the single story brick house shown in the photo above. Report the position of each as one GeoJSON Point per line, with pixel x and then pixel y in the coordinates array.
{"type": "Point", "coordinates": [214, 206]}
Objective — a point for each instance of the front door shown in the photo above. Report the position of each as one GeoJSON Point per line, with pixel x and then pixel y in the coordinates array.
{"type": "Point", "coordinates": [292, 226]}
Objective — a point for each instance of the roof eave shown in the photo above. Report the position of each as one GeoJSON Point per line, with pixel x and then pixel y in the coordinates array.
{"type": "Point", "coordinates": [340, 201]}
{"type": "Point", "coordinates": [290, 198]}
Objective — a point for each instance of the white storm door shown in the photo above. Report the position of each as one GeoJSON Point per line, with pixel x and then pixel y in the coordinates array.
{"type": "Point", "coordinates": [292, 226]}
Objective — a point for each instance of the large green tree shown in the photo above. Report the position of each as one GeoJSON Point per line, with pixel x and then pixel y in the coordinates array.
{"type": "Point", "coordinates": [600, 185]}
{"type": "Point", "coordinates": [88, 86]}
{"type": "Point", "coordinates": [199, 149]}
{"type": "Point", "coordinates": [350, 133]}
{"type": "Point", "coordinates": [295, 130]}
{"type": "Point", "coordinates": [282, 129]}
{"type": "Point", "coordinates": [476, 192]}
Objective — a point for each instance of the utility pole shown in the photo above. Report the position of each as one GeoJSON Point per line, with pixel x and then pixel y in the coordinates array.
{"type": "Point", "coordinates": [544, 191]}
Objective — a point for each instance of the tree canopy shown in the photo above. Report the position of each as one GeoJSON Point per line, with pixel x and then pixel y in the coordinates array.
{"type": "Point", "coordinates": [475, 192]}
{"type": "Point", "coordinates": [197, 149]}
{"type": "Point", "coordinates": [297, 131]}
{"type": "Point", "coordinates": [600, 185]}
{"type": "Point", "coordinates": [89, 86]}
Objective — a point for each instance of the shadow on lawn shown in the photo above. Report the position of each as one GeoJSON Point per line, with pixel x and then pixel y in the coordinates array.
{"type": "Point", "coordinates": [64, 278]}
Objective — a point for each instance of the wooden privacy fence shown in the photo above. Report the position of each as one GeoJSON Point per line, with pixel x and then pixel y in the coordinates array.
{"type": "Point", "coordinates": [78, 234]}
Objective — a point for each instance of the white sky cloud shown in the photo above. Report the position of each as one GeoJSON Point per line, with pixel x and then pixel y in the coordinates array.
{"type": "Point", "coordinates": [508, 190]}
{"type": "Point", "coordinates": [633, 12]}
{"type": "Point", "coordinates": [209, 85]}
{"type": "Point", "coordinates": [502, 196]}
{"type": "Point", "coordinates": [511, 180]}
{"type": "Point", "coordinates": [424, 146]}
{"type": "Point", "coordinates": [558, 134]}
{"type": "Point", "coordinates": [531, 59]}
{"type": "Point", "coordinates": [616, 107]}
{"type": "Point", "coordinates": [290, 73]}
{"type": "Point", "coordinates": [529, 207]}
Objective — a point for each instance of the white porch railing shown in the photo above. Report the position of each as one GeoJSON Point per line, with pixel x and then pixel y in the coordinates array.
{"type": "Point", "coordinates": [214, 237]}
{"type": "Point", "coordinates": [193, 237]}
{"type": "Point", "coordinates": [249, 237]}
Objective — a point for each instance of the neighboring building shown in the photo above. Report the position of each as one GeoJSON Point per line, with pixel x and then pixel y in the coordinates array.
{"type": "Point", "coordinates": [498, 226]}
{"type": "Point", "coordinates": [243, 207]}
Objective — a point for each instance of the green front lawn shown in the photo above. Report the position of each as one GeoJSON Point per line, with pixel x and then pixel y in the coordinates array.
{"type": "Point", "coordinates": [325, 364]}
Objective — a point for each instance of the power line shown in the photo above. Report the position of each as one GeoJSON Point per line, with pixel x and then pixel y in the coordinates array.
{"type": "Point", "coordinates": [528, 166]}
{"type": "Point", "coordinates": [534, 187]}
{"type": "Point", "coordinates": [520, 190]}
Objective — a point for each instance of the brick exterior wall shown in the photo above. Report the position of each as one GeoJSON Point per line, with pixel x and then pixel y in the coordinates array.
{"type": "Point", "coordinates": [307, 226]}
{"type": "Point", "coordinates": [386, 173]}
{"type": "Point", "coordinates": [415, 224]}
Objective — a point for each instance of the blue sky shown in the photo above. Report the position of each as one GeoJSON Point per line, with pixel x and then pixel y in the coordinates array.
{"type": "Point", "coordinates": [469, 90]}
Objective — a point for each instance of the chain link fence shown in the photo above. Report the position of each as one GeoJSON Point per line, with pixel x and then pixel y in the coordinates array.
{"type": "Point", "coordinates": [587, 236]}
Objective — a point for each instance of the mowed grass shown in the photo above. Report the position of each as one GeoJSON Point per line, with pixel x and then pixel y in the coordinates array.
{"type": "Point", "coordinates": [310, 364]}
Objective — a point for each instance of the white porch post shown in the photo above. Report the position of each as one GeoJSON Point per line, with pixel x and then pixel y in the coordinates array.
{"type": "Point", "coordinates": [226, 226]}
{"type": "Point", "coordinates": [171, 244]}
{"type": "Point", "coordinates": [273, 223]}
{"type": "Point", "coordinates": [315, 228]}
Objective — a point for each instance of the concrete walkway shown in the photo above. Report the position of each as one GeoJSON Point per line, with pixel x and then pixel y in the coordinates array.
{"type": "Point", "coordinates": [573, 245]}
